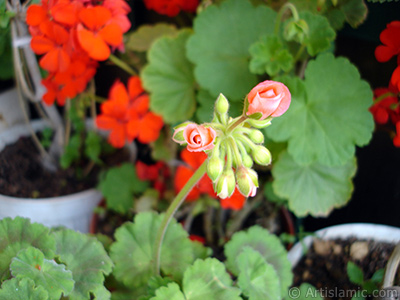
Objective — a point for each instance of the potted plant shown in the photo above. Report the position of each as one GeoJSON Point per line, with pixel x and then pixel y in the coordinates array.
{"type": "Point", "coordinates": [276, 66]}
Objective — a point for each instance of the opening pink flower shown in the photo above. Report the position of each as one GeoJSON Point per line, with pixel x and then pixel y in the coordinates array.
{"type": "Point", "coordinates": [198, 137]}
{"type": "Point", "coordinates": [270, 98]}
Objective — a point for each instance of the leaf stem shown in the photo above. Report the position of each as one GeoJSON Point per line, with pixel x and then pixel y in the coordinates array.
{"type": "Point", "coordinates": [176, 203]}
{"type": "Point", "coordinates": [123, 65]}
{"type": "Point", "coordinates": [282, 10]}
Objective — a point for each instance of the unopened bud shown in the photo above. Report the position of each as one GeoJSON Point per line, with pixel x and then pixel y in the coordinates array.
{"type": "Point", "coordinates": [296, 31]}
{"type": "Point", "coordinates": [256, 136]}
{"type": "Point", "coordinates": [221, 104]}
{"type": "Point", "coordinates": [247, 181]}
{"type": "Point", "coordinates": [247, 161]}
{"type": "Point", "coordinates": [261, 155]}
{"type": "Point", "coordinates": [215, 167]}
{"type": "Point", "coordinates": [226, 184]}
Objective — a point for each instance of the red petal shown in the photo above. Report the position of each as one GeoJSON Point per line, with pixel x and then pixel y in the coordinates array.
{"type": "Point", "coordinates": [235, 202]}
{"type": "Point", "coordinates": [94, 17]}
{"type": "Point", "coordinates": [93, 45]}
{"type": "Point", "coordinates": [134, 87]}
{"type": "Point", "coordinates": [111, 34]}
{"type": "Point", "coordinates": [35, 15]}
{"type": "Point", "coordinates": [55, 60]}
{"type": "Point", "coordinates": [41, 44]}
{"type": "Point", "coordinates": [105, 122]}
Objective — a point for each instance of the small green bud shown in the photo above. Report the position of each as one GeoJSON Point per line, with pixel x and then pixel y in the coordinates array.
{"type": "Point", "coordinates": [215, 167]}
{"type": "Point", "coordinates": [247, 161]}
{"type": "Point", "coordinates": [256, 136]}
{"type": "Point", "coordinates": [261, 155]}
{"type": "Point", "coordinates": [247, 181]}
{"type": "Point", "coordinates": [221, 105]}
{"type": "Point", "coordinates": [296, 31]}
{"type": "Point", "coordinates": [226, 184]}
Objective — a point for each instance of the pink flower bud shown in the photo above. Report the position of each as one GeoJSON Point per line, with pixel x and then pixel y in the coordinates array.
{"type": "Point", "coordinates": [270, 98]}
{"type": "Point", "coordinates": [247, 181]}
{"type": "Point", "coordinates": [197, 137]}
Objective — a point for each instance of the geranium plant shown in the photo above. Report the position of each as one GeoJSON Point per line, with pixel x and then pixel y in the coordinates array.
{"type": "Point", "coordinates": [276, 65]}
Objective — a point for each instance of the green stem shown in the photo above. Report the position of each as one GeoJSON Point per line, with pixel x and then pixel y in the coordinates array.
{"type": "Point", "coordinates": [237, 123]}
{"type": "Point", "coordinates": [384, 96]}
{"type": "Point", "coordinates": [292, 9]}
{"type": "Point", "coordinates": [123, 65]}
{"type": "Point", "coordinates": [176, 203]}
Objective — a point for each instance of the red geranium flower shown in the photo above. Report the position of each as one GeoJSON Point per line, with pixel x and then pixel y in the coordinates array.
{"type": "Point", "coordinates": [126, 114]}
{"type": "Point", "coordinates": [98, 32]}
{"type": "Point", "coordinates": [171, 8]}
{"type": "Point", "coordinates": [390, 37]}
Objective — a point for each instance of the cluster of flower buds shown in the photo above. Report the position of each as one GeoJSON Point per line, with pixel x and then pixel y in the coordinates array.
{"type": "Point", "coordinates": [233, 144]}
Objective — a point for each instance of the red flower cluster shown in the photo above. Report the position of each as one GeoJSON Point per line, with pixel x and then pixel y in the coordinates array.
{"type": "Point", "coordinates": [390, 37]}
{"type": "Point", "coordinates": [386, 105]}
{"type": "Point", "coordinates": [171, 8]}
{"type": "Point", "coordinates": [156, 173]}
{"type": "Point", "coordinates": [126, 113]}
{"type": "Point", "coordinates": [193, 160]}
{"type": "Point", "coordinates": [71, 36]}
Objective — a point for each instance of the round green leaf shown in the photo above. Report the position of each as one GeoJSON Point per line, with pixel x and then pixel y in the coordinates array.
{"type": "Point", "coordinates": [257, 279]}
{"type": "Point", "coordinates": [30, 263]}
{"type": "Point", "coordinates": [142, 38]}
{"type": "Point", "coordinates": [23, 289]}
{"type": "Point", "coordinates": [313, 189]}
{"type": "Point", "coordinates": [270, 248]}
{"type": "Point", "coordinates": [269, 56]}
{"type": "Point", "coordinates": [320, 33]}
{"type": "Point", "coordinates": [170, 292]}
{"type": "Point", "coordinates": [328, 115]}
{"type": "Point", "coordinates": [219, 45]}
{"type": "Point", "coordinates": [86, 258]}
{"type": "Point", "coordinates": [19, 233]}
{"type": "Point", "coordinates": [169, 78]}
{"type": "Point", "coordinates": [208, 279]}
{"type": "Point", "coordinates": [132, 252]}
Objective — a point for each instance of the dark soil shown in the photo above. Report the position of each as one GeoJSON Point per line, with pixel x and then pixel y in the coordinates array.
{"type": "Point", "coordinates": [325, 264]}
{"type": "Point", "coordinates": [22, 174]}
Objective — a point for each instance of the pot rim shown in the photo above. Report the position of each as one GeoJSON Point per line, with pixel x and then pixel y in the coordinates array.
{"type": "Point", "coordinates": [376, 232]}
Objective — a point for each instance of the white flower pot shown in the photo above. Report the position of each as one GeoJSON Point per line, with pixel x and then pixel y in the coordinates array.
{"type": "Point", "coordinates": [10, 110]}
{"type": "Point", "coordinates": [378, 233]}
{"type": "Point", "coordinates": [72, 211]}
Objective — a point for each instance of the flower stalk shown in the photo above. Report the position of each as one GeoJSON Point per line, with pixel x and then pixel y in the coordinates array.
{"type": "Point", "coordinates": [176, 203]}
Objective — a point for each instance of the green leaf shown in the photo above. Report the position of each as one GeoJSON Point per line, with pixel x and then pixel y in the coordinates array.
{"type": "Point", "coordinates": [208, 279]}
{"type": "Point", "coordinates": [142, 38]}
{"type": "Point", "coordinates": [355, 273]}
{"type": "Point", "coordinates": [328, 115]}
{"type": "Point", "coordinates": [306, 291]}
{"type": "Point", "coordinates": [312, 189]}
{"type": "Point", "coordinates": [336, 18]}
{"type": "Point", "coordinates": [270, 248]}
{"type": "Point", "coordinates": [355, 12]}
{"type": "Point", "coordinates": [271, 196]}
{"type": "Point", "coordinates": [132, 252]}
{"type": "Point", "coordinates": [358, 296]}
{"type": "Point", "coordinates": [23, 289]}
{"type": "Point", "coordinates": [257, 279]}
{"type": "Point", "coordinates": [377, 277]}
{"type": "Point", "coordinates": [269, 55]}
{"type": "Point", "coordinates": [30, 263]}
{"type": "Point", "coordinates": [119, 185]}
{"type": "Point", "coordinates": [71, 152]}
{"type": "Point", "coordinates": [219, 46]}
{"type": "Point", "coordinates": [320, 33]}
{"type": "Point", "coordinates": [170, 292]}
{"type": "Point", "coordinates": [88, 261]}
{"type": "Point", "coordinates": [93, 143]}
{"type": "Point", "coordinates": [169, 78]}
{"type": "Point", "coordinates": [17, 234]}
{"type": "Point", "coordinates": [370, 287]}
